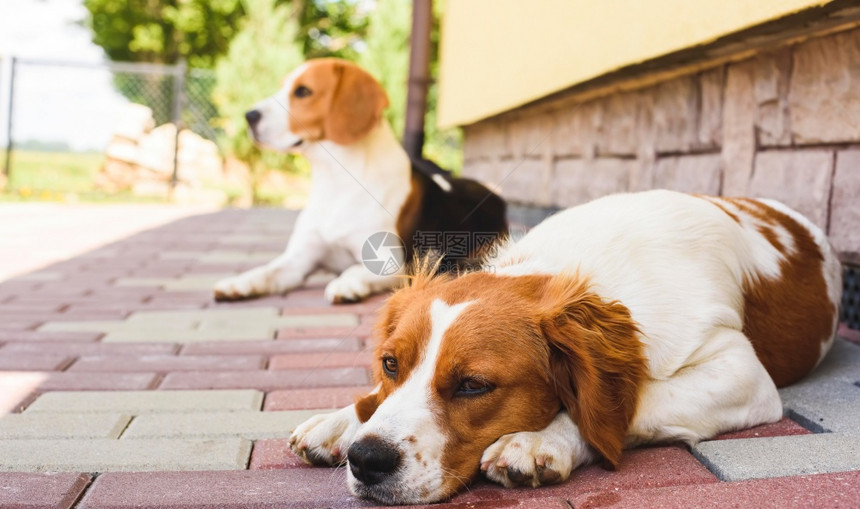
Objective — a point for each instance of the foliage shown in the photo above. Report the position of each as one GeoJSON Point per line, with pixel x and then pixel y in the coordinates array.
{"type": "Point", "coordinates": [330, 28]}
{"type": "Point", "coordinates": [262, 53]}
{"type": "Point", "coordinates": [164, 31]}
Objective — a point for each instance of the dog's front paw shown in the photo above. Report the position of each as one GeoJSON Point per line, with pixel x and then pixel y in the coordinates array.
{"type": "Point", "coordinates": [324, 439]}
{"type": "Point", "coordinates": [246, 285]}
{"type": "Point", "coordinates": [348, 287]}
{"type": "Point", "coordinates": [528, 459]}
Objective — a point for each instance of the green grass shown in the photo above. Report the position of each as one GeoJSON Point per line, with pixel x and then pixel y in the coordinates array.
{"type": "Point", "coordinates": [58, 176]}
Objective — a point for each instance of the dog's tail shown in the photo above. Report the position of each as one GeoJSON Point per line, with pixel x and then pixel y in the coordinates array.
{"type": "Point", "coordinates": [433, 172]}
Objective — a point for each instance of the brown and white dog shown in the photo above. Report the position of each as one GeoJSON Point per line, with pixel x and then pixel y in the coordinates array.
{"type": "Point", "coordinates": [636, 318]}
{"type": "Point", "coordinates": [363, 182]}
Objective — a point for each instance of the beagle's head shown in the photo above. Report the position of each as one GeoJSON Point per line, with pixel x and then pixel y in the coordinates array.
{"type": "Point", "coordinates": [323, 99]}
{"type": "Point", "coordinates": [461, 362]}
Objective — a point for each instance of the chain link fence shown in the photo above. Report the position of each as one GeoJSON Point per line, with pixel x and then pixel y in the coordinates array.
{"type": "Point", "coordinates": [75, 108]}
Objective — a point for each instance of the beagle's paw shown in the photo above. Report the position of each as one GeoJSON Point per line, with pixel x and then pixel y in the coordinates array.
{"type": "Point", "coordinates": [348, 287]}
{"type": "Point", "coordinates": [324, 439]}
{"type": "Point", "coordinates": [249, 284]}
{"type": "Point", "coordinates": [528, 459]}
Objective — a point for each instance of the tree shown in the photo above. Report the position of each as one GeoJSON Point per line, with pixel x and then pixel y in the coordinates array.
{"type": "Point", "coordinates": [260, 55]}
{"type": "Point", "coordinates": [164, 31]}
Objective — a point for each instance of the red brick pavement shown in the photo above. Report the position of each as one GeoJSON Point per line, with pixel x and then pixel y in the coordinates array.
{"type": "Point", "coordinates": [314, 367]}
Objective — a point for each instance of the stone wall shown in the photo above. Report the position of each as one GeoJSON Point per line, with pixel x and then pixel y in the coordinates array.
{"type": "Point", "coordinates": [783, 123]}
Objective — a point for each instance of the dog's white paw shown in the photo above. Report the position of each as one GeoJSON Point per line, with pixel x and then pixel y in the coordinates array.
{"type": "Point", "coordinates": [252, 283]}
{"type": "Point", "coordinates": [348, 287]}
{"type": "Point", "coordinates": [528, 459]}
{"type": "Point", "coordinates": [325, 439]}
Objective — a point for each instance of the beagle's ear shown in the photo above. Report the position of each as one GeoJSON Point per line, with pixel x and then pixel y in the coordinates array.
{"type": "Point", "coordinates": [596, 361]}
{"type": "Point", "coordinates": [357, 105]}
{"type": "Point", "coordinates": [366, 406]}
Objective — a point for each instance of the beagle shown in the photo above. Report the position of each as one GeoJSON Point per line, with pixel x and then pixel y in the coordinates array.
{"type": "Point", "coordinates": [362, 183]}
{"type": "Point", "coordinates": [636, 318]}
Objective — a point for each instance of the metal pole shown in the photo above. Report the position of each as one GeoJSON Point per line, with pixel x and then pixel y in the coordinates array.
{"type": "Point", "coordinates": [7, 166]}
{"type": "Point", "coordinates": [419, 77]}
{"type": "Point", "coordinates": [178, 102]}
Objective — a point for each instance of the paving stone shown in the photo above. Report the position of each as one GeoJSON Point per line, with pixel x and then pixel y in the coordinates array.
{"type": "Point", "coordinates": [841, 363]}
{"type": "Point", "coordinates": [783, 427]}
{"type": "Point", "coordinates": [274, 453]}
{"type": "Point", "coordinates": [314, 320]}
{"type": "Point", "coordinates": [245, 333]}
{"type": "Point", "coordinates": [76, 337]}
{"type": "Point", "coordinates": [164, 363]}
{"type": "Point", "coordinates": [43, 425]}
{"type": "Point", "coordinates": [250, 425]}
{"type": "Point", "coordinates": [65, 381]}
{"type": "Point", "coordinates": [359, 331]}
{"type": "Point", "coordinates": [31, 362]}
{"type": "Point", "coordinates": [105, 455]}
{"type": "Point", "coordinates": [324, 398]}
{"type": "Point", "coordinates": [273, 347]}
{"type": "Point", "coordinates": [79, 348]}
{"type": "Point", "coordinates": [267, 380]}
{"type": "Point", "coordinates": [823, 490]}
{"type": "Point", "coordinates": [825, 406]}
{"type": "Point", "coordinates": [41, 491]}
{"type": "Point", "coordinates": [310, 487]}
{"type": "Point", "coordinates": [200, 325]}
{"type": "Point", "coordinates": [146, 402]}
{"type": "Point", "coordinates": [322, 360]}
{"type": "Point", "coordinates": [736, 460]}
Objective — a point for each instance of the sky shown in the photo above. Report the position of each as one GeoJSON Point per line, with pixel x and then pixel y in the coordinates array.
{"type": "Point", "coordinates": [69, 104]}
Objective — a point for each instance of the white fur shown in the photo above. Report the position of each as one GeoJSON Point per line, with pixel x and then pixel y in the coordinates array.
{"type": "Point", "coordinates": [408, 413]}
{"type": "Point", "coordinates": [356, 191]}
{"type": "Point", "coordinates": [678, 263]}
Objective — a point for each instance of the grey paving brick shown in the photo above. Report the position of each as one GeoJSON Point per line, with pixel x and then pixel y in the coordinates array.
{"type": "Point", "coordinates": [842, 362]}
{"type": "Point", "coordinates": [145, 402]}
{"type": "Point", "coordinates": [250, 425]}
{"type": "Point", "coordinates": [757, 458]}
{"type": "Point", "coordinates": [248, 332]}
{"type": "Point", "coordinates": [824, 405]}
{"type": "Point", "coordinates": [320, 320]}
{"type": "Point", "coordinates": [105, 455]}
{"type": "Point", "coordinates": [46, 425]}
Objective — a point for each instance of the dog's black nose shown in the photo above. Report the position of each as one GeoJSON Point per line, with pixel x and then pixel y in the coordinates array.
{"type": "Point", "coordinates": [371, 459]}
{"type": "Point", "coordinates": [253, 116]}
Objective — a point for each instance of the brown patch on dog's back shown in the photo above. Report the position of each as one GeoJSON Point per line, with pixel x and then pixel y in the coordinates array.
{"type": "Point", "coordinates": [787, 319]}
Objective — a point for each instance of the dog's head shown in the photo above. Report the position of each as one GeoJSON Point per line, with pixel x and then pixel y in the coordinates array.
{"type": "Point", "coordinates": [323, 99]}
{"type": "Point", "coordinates": [461, 362]}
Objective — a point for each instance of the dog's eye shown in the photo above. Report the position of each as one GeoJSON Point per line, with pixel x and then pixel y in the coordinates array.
{"type": "Point", "coordinates": [389, 366]}
{"type": "Point", "coordinates": [302, 91]}
{"type": "Point", "coordinates": [473, 387]}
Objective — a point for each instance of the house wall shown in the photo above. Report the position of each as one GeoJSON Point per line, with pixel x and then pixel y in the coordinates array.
{"type": "Point", "coordinates": [783, 123]}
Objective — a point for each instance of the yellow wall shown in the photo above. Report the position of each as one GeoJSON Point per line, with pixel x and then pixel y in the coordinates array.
{"type": "Point", "coordinates": [499, 54]}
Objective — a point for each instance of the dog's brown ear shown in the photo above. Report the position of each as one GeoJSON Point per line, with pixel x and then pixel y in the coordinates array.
{"type": "Point", "coordinates": [596, 361]}
{"type": "Point", "coordinates": [366, 406]}
{"type": "Point", "coordinates": [357, 105]}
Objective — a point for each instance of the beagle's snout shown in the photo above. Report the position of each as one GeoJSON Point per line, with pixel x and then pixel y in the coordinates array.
{"type": "Point", "coordinates": [252, 117]}
{"type": "Point", "coordinates": [372, 459]}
